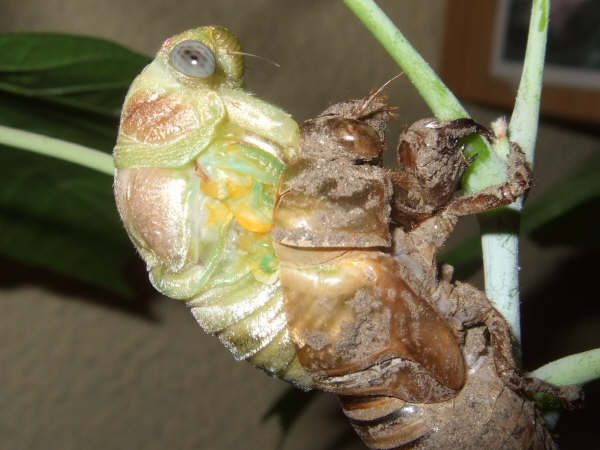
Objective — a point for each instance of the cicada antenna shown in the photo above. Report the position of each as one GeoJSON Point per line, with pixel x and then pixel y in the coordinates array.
{"type": "Point", "coordinates": [270, 61]}
{"type": "Point", "coordinates": [377, 92]}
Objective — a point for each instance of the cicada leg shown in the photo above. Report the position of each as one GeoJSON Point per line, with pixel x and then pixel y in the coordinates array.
{"type": "Point", "coordinates": [469, 307]}
{"type": "Point", "coordinates": [519, 182]}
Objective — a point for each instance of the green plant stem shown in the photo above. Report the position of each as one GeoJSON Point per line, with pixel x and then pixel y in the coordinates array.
{"type": "Point", "coordinates": [438, 97]}
{"type": "Point", "coordinates": [579, 368]}
{"type": "Point", "coordinates": [500, 238]}
{"type": "Point", "coordinates": [57, 148]}
{"type": "Point", "coordinates": [524, 120]}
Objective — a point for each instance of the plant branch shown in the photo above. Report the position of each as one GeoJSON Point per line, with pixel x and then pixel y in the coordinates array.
{"type": "Point", "coordinates": [57, 148]}
{"type": "Point", "coordinates": [524, 120]}
{"type": "Point", "coordinates": [438, 97]}
{"type": "Point", "coordinates": [579, 368]}
{"type": "Point", "coordinates": [500, 238]}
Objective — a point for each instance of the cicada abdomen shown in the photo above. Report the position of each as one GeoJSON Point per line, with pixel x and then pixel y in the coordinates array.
{"type": "Point", "coordinates": [198, 162]}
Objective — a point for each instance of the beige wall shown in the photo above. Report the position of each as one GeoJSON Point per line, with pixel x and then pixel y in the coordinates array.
{"type": "Point", "coordinates": [77, 374]}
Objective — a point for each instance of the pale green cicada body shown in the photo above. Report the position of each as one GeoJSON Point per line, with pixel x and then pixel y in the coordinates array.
{"type": "Point", "coordinates": [198, 161]}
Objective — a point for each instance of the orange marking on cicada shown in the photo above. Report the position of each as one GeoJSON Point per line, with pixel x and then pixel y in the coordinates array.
{"type": "Point", "coordinates": [198, 170]}
{"type": "Point", "coordinates": [253, 226]}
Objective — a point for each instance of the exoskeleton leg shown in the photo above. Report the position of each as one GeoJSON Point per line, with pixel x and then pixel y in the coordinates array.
{"type": "Point", "coordinates": [467, 306]}
{"type": "Point", "coordinates": [519, 182]}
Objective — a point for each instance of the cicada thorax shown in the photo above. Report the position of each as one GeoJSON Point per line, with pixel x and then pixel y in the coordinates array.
{"type": "Point", "coordinates": [358, 327]}
{"type": "Point", "coordinates": [198, 162]}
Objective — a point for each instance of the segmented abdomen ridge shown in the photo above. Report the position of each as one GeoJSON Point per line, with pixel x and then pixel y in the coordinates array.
{"type": "Point", "coordinates": [385, 422]}
{"type": "Point", "coordinates": [252, 325]}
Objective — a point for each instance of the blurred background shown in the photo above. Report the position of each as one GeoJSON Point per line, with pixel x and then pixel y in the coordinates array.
{"type": "Point", "coordinates": [82, 368]}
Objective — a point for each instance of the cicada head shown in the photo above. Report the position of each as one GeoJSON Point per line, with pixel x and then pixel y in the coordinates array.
{"type": "Point", "coordinates": [205, 56]}
{"type": "Point", "coordinates": [430, 166]}
{"type": "Point", "coordinates": [346, 138]}
{"type": "Point", "coordinates": [173, 108]}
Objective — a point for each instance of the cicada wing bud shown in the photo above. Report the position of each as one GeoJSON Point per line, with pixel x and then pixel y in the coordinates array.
{"type": "Point", "coordinates": [165, 130]}
{"type": "Point", "coordinates": [154, 206]}
{"type": "Point", "coordinates": [359, 329]}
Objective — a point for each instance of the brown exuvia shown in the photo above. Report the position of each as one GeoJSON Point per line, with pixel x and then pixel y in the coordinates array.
{"type": "Point", "coordinates": [417, 360]}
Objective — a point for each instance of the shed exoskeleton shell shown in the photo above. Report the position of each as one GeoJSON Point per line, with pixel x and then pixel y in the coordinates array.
{"type": "Point", "coordinates": [349, 312]}
{"type": "Point", "coordinates": [359, 328]}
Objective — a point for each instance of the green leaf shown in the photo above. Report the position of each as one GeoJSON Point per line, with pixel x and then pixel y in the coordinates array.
{"type": "Point", "coordinates": [54, 214]}
{"type": "Point", "coordinates": [66, 123]}
{"type": "Point", "coordinates": [62, 216]}
{"type": "Point", "coordinates": [45, 204]}
{"type": "Point", "coordinates": [86, 73]}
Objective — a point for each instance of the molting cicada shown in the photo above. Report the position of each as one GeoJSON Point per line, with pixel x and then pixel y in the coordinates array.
{"type": "Point", "coordinates": [306, 257]}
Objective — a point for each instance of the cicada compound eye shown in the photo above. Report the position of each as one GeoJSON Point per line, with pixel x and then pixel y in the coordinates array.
{"type": "Point", "coordinates": [193, 58]}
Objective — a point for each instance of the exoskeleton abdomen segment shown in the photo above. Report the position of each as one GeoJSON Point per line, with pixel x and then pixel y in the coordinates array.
{"type": "Point", "coordinates": [385, 422]}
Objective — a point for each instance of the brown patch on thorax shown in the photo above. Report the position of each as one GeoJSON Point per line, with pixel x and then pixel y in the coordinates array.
{"type": "Point", "coordinates": [157, 118]}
